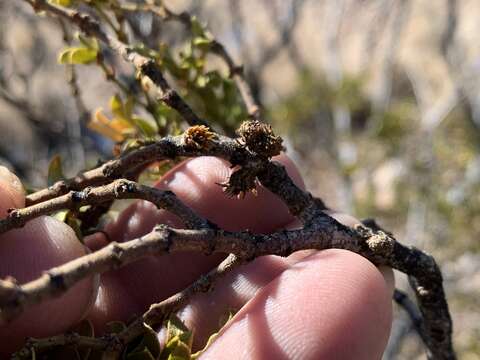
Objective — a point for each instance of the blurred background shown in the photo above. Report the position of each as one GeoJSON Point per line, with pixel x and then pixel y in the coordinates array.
{"type": "Point", "coordinates": [378, 102]}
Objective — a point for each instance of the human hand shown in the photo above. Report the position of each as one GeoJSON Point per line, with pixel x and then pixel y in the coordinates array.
{"type": "Point", "coordinates": [331, 304]}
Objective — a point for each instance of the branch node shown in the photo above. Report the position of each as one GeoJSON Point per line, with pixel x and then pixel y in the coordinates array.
{"type": "Point", "coordinates": [78, 196]}
{"type": "Point", "coordinates": [198, 137]}
{"type": "Point", "coordinates": [378, 242]}
{"type": "Point", "coordinates": [260, 139]}
{"type": "Point", "coordinates": [57, 281]}
{"type": "Point", "coordinates": [117, 252]}
{"type": "Point", "coordinates": [166, 235]}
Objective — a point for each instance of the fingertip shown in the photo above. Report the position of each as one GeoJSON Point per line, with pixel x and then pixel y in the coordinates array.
{"type": "Point", "coordinates": [196, 182]}
{"type": "Point", "coordinates": [43, 243]}
{"type": "Point", "coordinates": [96, 241]}
{"type": "Point", "coordinates": [331, 305]}
{"type": "Point", "coordinates": [11, 191]}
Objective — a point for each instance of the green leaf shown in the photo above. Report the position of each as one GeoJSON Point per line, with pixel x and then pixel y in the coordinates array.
{"type": "Point", "coordinates": [116, 106]}
{"type": "Point", "coordinates": [55, 171]}
{"type": "Point", "coordinates": [88, 42]}
{"type": "Point", "coordinates": [146, 347]}
{"type": "Point", "coordinates": [147, 127]}
{"type": "Point", "coordinates": [150, 340]}
{"type": "Point", "coordinates": [201, 81]}
{"type": "Point", "coordinates": [176, 327]}
{"type": "Point", "coordinates": [202, 42]}
{"type": "Point", "coordinates": [128, 106]}
{"type": "Point", "coordinates": [65, 3]}
{"type": "Point", "coordinates": [77, 55]}
{"type": "Point", "coordinates": [179, 340]}
{"type": "Point", "coordinates": [120, 109]}
{"type": "Point", "coordinates": [196, 27]}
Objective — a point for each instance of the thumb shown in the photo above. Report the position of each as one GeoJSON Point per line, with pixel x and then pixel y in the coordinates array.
{"type": "Point", "coordinates": [25, 253]}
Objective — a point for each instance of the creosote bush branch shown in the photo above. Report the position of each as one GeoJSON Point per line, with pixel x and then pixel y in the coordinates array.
{"type": "Point", "coordinates": [320, 231]}
{"type": "Point", "coordinates": [250, 154]}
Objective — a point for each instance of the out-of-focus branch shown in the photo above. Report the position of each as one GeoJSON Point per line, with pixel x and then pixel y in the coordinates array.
{"type": "Point", "coordinates": [345, 149]}
{"type": "Point", "coordinates": [235, 70]}
{"type": "Point", "coordinates": [402, 299]}
{"type": "Point", "coordinates": [399, 18]}
{"type": "Point", "coordinates": [146, 66]}
{"type": "Point", "coordinates": [285, 30]}
{"type": "Point", "coordinates": [457, 72]}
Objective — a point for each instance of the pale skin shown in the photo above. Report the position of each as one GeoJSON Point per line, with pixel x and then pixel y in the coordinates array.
{"type": "Point", "coordinates": [332, 304]}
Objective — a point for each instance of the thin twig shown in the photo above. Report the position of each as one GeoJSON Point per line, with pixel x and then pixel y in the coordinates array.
{"type": "Point", "coordinates": [118, 189]}
{"type": "Point", "coordinates": [157, 313]}
{"type": "Point", "coordinates": [402, 299]}
{"type": "Point", "coordinates": [167, 148]}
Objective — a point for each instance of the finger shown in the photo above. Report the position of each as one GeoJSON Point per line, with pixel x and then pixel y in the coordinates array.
{"type": "Point", "coordinates": [331, 305]}
{"type": "Point", "coordinates": [195, 183]}
{"type": "Point", "coordinates": [41, 244]}
{"type": "Point", "coordinates": [206, 311]}
{"type": "Point", "coordinates": [11, 192]}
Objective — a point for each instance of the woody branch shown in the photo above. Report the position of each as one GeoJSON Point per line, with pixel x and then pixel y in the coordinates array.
{"type": "Point", "coordinates": [251, 155]}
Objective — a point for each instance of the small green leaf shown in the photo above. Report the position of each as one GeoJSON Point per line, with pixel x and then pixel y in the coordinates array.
{"type": "Point", "coordinates": [202, 42]}
{"type": "Point", "coordinates": [150, 340]}
{"type": "Point", "coordinates": [128, 106]}
{"type": "Point", "coordinates": [146, 347]}
{"type": "Point", "coordinates": [116, 106]}
{"type": "Point", "coordinates": [179, 340]}
{"type": "Point", "coordinates": [88, 42]}
{"type": "Point", "coordinates": [201, 81]}
{"type": "Point", "coordinates": [196, 27]}
{"type": "Point", "coordinates": [65, 3]}
{"type": "Point", "coordinates": [147, 127]}
{"type": "Point", "coordinates": [77, 55]}
{"type": "Point", "coordinates": [61, 215]}
{"type": "Point", "coordinates": [70, 218]}
{"type": "Point", "coordinates": [55, 171]}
